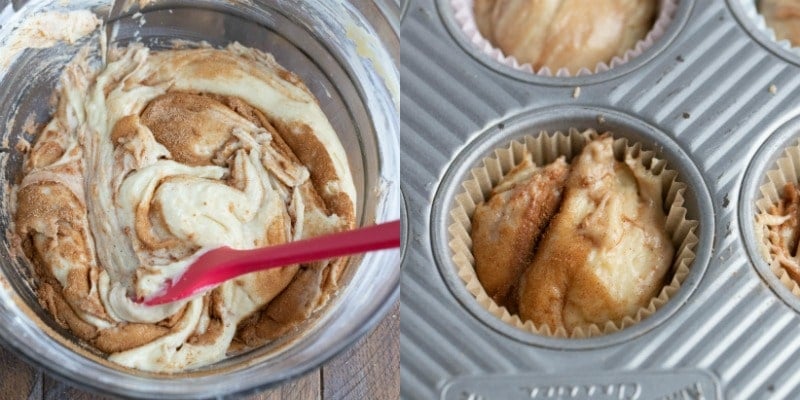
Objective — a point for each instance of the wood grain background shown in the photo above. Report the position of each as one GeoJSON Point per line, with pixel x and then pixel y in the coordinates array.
{"type": "Point", "coordinates": [370, 369]}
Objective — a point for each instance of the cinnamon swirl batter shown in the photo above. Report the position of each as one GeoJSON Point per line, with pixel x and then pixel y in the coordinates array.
{"type": "Point", "coordinates": [781, 228]}
{"type": "Point", "coordinates": [573, 245]}
{"type": "Point", "coordinates": [571, 34]}
{"type": "Point", "coordinates": [783, 16]}
{"type": "Point", "coordinates": [159, 157]}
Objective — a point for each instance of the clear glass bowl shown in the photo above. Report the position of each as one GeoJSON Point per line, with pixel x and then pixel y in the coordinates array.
{"type": "Point", "coordinates": [347, 54]}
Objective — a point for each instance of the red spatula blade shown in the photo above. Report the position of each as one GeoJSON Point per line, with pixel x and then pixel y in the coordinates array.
{"type": "Point", "coordinates": [222, 264]}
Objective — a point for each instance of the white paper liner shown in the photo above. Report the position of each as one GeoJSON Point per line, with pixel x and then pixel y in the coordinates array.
{"type": "Point", "coordinates": [760, 23]}
{"type": "Point", "coordinates": [787, 170]}
{"type": "Point", "coordinates": [545, 148]}
{"type": "Point", "coordinates": [465, 17]}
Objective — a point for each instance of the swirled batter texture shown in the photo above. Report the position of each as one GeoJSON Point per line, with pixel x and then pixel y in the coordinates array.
{"type": "Point", "coordinates": [781, 227]}
{"type": "Point", "coordinates": [783, 16]}
{"type": "Point", "coordinates": [159, 157]}
{"type": "Point", "coordinates": [570, 34]}
{"type": "Point", "coordinates": [568, 246]}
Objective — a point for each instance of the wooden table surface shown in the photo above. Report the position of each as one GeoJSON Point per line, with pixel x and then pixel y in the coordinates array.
{"type": "Point", "coordinates": [368, 370]}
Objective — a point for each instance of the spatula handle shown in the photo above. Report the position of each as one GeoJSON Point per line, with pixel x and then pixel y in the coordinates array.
{"type": "Point", "coordinates": [375, 237]}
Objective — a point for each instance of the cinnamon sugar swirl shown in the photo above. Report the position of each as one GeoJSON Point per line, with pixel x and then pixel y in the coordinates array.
{"type": "Point", "coordinates": [158, 157]}
{"type": "Point", "coordinates": [783, 16]}
{"type": "Point", "coordinates": [574, 245]}
{"type": "Point", "coordinates": [565, 33]}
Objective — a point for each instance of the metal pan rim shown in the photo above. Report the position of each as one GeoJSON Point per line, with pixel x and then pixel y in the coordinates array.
{"type": "Point", "coordinates": [550, 119]}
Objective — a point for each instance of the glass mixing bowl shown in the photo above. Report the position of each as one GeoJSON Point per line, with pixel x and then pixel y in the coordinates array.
{"type": "Point", "coordinates": [347, 54]}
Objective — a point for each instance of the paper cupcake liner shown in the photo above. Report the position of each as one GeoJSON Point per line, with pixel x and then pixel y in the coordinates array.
{"type": "Point", "coordinates": [465, 17]}
{"type": "Point", "coordinates": [787, 171]}
{"type": "Point", "coordinates": [760, 23]}
{"type": "Point", "coordinates": [545, 148]}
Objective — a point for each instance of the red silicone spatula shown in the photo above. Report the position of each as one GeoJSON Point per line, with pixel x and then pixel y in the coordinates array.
{"type": "Point", "coordinates": [224, 263]}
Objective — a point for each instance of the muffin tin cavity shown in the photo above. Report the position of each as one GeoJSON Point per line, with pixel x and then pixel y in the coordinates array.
{"type": "Point", "coordinates": [666, 27]}
{"type": "Point", "coordinates": [776, 162]}
{"type": "Point", "coordinates": [747, 14]}
{"type": "Point", "coordinates": [563, 118]}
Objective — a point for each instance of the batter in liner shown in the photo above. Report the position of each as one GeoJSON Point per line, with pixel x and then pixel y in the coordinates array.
{"type": "Point", "coordinates": [781, 227]}
{"type": "Point", "coordinates": [159, 157]}
{"type": "Point", "coordinates": [571, 34]}
{"type": "Point", "coordinates": [783, 16]}
{"type": "Point", "coordinates": [573, 245]}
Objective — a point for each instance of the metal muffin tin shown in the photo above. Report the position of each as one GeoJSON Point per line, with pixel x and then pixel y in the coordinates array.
{"type": "Point", "coordinates": [716, 99]}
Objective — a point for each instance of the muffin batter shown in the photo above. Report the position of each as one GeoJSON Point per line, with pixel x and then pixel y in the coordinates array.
{"type": "Point", "coordinates": [571, 34]}
{"type": "Point", "coordinates": [159, 157]}
{"type": "Point", "coordinates": [506, 228]}
{"type": "Point", "coordinates": [603, 252]}
{"type": "Point", "coordinates": [783, 16]}
{"type": "Point", "coordinates": [781, 225]}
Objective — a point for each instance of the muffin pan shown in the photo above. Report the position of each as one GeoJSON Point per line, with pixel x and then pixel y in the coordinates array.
{"type": "Point", "coordinates": [706, 97]}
